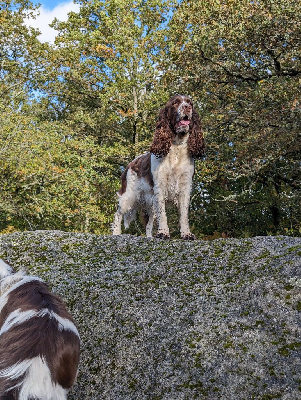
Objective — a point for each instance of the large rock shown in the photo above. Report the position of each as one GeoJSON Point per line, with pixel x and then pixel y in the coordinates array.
{"type": "Point", "coordinates": [173, 319]}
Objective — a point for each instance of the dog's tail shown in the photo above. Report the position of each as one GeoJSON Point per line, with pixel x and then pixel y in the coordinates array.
{"type": "Point", "coordinates": [132, 215]}
{"type": "Point", "coordinates": [129, 217]}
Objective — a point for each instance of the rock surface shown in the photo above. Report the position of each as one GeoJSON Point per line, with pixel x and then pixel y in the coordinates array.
{"type": "Point", "coordinates": [175, 320]}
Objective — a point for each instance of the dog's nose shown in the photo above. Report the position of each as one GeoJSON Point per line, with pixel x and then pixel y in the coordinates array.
{"type": "Point", "coordinates": [187, 107]}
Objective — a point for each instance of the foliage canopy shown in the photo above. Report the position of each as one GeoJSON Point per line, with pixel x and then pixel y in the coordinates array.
{"type": "Point", "coordinates": [73, 113]}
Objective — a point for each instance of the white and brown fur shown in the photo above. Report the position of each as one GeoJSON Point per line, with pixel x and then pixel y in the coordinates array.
{"type": "Point", "coordinates": [39, 343]}
{"type": "Point", "coordinates": [164, 173]}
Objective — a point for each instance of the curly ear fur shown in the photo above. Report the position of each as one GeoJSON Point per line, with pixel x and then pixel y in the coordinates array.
{"type": "Point", "coordinates": [163, 135]}
{"type": "Point", "coordinates": [196, 144]}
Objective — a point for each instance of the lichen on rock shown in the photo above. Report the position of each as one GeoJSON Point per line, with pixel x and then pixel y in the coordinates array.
{"type": "Point", "coordinates": [175, 320]}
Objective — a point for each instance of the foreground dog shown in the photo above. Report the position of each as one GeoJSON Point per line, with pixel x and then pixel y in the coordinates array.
{"type": "Point", "coordinates": [39, 343]}
{"type": "Point", "coordinates": [165, 173]}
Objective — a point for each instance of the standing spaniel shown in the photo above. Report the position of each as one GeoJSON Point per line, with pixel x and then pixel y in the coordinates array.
{"type": "Point", "coordinates": [165, 173]}
{"type": "Point", "coordinates": [39, 343]}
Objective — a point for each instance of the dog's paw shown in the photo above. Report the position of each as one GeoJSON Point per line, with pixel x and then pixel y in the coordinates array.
{"type": "Point", "coordinates": [188, 236]}
{"type": "Point", "coordinates": [163, 236]}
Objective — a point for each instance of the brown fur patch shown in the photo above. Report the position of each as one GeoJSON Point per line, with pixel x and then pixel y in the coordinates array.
{"type": "Point", "coordinates": [142, 167]}
{"type": "Point", "coordinates": [38, 336]}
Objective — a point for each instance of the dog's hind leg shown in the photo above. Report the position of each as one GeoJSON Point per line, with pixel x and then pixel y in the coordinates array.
{"type": "Point", "coordinates": [116, 226]}
{"type": "Point", "coordinates": [149, 225]}
{"type": "Point", "coordinates": [127, 209]}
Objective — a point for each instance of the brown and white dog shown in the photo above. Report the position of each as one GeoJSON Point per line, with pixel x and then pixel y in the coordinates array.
{"type": "Point", "coordinates": [39, 343]}
{"type": "Point", "coordinates": [165, 173]}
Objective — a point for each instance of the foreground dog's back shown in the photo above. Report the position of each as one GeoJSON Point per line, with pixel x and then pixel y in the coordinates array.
{"type": "Point", "coordinates": [39, 343]}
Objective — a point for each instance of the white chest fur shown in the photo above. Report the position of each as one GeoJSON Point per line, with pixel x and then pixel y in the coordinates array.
{"type": "Point", "coordinates": [173, 173]}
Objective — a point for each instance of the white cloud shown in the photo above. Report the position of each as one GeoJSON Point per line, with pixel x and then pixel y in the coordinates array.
{"type": "Point", "coordinates": [46, 16]}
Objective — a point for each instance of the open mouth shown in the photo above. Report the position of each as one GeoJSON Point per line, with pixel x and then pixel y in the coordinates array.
{"type": "Point", "coordinates": [184, 122]}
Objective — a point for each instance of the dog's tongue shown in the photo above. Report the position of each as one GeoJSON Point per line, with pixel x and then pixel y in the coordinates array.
{"type": "Point", "coordinates": [183, 122]}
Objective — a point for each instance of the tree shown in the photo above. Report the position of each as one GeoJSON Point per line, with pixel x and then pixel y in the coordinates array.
{"type": "Point", "coordinates": [73, 114]}
{"type": "Point", "coordinates": [106, 57]}
{"type": "Point", "coordinates": [101, 80]}
{"type": "Point", "coordinates": [48, 176]}
{"type": "Point", "coordinates": [88, 116]}
{"type": "Point", "coordinates": [48, 180]}
{"type": "Point", "coordinates": [241, 62]}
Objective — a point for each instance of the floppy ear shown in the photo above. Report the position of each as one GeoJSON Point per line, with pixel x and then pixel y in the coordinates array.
{"type": "Point", "coordinates": [196, 144]}
{"type": "Point", "coordinates": [163, 134]}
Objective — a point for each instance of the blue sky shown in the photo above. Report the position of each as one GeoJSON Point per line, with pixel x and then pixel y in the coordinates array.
{"type": "Point", "coordinates": [49, 10]}
{"type": "Point", "coordinates": [50, 3]}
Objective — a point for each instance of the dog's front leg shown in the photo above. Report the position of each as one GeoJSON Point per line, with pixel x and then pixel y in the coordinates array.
{"type": "Point", "coordinates": [184, 201]}
{"type": "Point", "coordinates": [159, 204]}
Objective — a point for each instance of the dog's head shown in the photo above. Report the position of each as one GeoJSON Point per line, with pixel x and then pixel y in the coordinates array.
{"type": "Point", "coordinates": [178, 118]}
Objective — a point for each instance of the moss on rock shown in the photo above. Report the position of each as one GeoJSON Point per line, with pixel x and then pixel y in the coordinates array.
{"type": "Point", "coordinates": [175, 320]}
